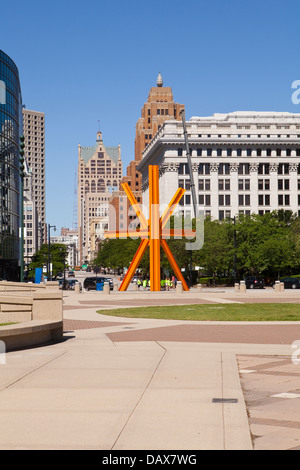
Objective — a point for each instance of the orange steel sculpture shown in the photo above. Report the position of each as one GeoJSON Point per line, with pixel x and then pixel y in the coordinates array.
{"type": "Point", "coordinates": [151, 233]}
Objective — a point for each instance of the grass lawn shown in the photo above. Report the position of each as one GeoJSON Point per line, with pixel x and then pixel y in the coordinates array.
{"type": "Point", "coordinates": [211, 312]}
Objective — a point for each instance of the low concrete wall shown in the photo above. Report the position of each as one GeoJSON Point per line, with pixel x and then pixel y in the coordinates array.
{"type": "Point", "coordinates": [7, 286]}
{"type": "Point", "coordinates": [30, 334]}
{"type": "Point", "coordinates": [38, 316]}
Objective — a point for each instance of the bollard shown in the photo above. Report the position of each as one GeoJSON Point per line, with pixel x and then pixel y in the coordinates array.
{"type": "Point", "coordinates": [281, 287]}
{"type": "Point", "coordinates": [116, 286]}
{"type": "Point", "coordinates": [179, 287]}
{"type": "Point", "coordinates": [242, 287]}
{"type": "Point", "coordinates": [277, 286]}
{"type": "Point", "coordinates": [199, 287]}
{"type": "Point", "coordinates": [77, 288]}
{"type": "Point", "coordinates": [236, 287]}
{"type": "Point", "coordinates": [106, 288]}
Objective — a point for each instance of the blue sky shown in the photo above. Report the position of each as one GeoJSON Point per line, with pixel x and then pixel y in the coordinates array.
{"type": "Point", "coordinates": [84, 62]}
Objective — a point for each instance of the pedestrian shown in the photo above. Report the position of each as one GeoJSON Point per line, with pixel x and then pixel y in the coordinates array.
{"type": "Point", "coordinates": [145, 284]}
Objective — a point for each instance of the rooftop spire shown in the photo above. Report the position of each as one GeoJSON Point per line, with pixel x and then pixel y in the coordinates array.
{"type": "Point", "coordinates": [159, 80]}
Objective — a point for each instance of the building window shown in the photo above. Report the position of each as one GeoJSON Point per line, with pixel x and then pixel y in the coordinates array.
{"type": "Point", "coordinates": [283, 169]}
{"type": "Point", "coordinates": [179, 152]}
{"type": "Point", "coordinates": [224, 185]}
{"type": "Point", "coordinates": [204, 169]}
{"type": "Point", "coordinates": [264, 169]}
{"type": "Point", "coordinates": [224, 169]}
{"type": "Point", "coordinates": [263, 199]}
{"type": "Point", "coordinates": [184, 183]}
{"type": "Point", "coordinates": [204, 198]}
{"type": "Point", "coordinates": [224, 215]}
{"type": "Point", "coordinates": [244, 169]}
{"type": "Point", "coordinates": [183, 169]}
{"type": "Point", "coordinates": [283, 199]}
{"type": "Point", "coordinates": [204, 185]}
{"type": "Point", "coordinates": [263, 184]}
{"type": "Point", "coordinates": [244, 184]}
{"type": "Point", "coordinates": [244, 199]}
{"type": "Point", "coordinates": [224, 199]}
{"type": "Point", "coordinates": [283, 184]}
{"type": "Point", "coordinates": [199, 152]}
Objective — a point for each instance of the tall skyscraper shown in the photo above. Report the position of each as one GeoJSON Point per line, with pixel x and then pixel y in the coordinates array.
{"type": "Point", "coordinates": [10, 130]}
{"type": "Point", "coordinates": [159, 107]}
{"type": "Point", "coordinates": [99, 173]}
{"type": "Point", "coordinates": [34, 134]}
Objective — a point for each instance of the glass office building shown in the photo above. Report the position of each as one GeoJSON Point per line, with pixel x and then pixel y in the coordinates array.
{"type": "Point", "coordinates": [10, 129]}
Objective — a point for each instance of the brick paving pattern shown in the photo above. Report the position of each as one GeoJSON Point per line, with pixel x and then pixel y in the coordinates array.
{"type": "Point", "coordinates": [274, 420]}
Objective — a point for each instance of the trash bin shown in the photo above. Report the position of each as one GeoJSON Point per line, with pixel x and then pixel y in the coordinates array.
{"type": "Point", "coordinates": [99, 286]}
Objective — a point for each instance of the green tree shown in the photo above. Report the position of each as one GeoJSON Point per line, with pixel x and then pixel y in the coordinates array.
{"type": "Point", "coordinates": [58, 254]}
{"type": "Point", "coordinates": [216, 255]}
{"type": "Point", "coordinates": [265, 244]}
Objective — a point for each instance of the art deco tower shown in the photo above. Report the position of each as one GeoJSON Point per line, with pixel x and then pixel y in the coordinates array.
{"type": "Point", "coordinates": [158, 108]}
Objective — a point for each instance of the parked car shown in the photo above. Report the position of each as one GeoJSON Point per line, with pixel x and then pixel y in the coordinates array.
{"type": "Point", "coordinates": [90, 283]}
{"type": "Point", "coordinates": [254, 282]}
{"type": "Point", "coordinates": [291, 282]}
{"type": "Point", "coordinates": [69, 284]}
{"type": "Point", "coordinates": [71, 274]}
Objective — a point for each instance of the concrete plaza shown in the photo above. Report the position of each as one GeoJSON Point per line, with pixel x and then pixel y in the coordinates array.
{"type": "Point", "coordinates": [137, 384]}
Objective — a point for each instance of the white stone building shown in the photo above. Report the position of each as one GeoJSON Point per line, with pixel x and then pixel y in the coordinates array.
{"type": "Point", "coordinates": [243, 162]}
{"type": "Point", "coordinates": [71, 242]}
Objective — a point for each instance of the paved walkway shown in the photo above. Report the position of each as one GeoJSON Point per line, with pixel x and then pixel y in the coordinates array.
{"type": "Point", "coordinates": [128, 384]}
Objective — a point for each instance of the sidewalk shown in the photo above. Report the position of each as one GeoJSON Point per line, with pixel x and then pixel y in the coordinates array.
{"type": "Point", "coordinates": [101, 390]}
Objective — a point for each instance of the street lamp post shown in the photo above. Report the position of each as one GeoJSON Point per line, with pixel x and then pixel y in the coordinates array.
{"type": "Point", "coordinates": [49, 250]}
{"type": "Point", "coordinates": [234, 244]}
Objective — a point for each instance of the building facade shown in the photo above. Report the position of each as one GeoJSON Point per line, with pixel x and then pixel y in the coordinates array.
{"type": "Point", "coordinates": [243, 163]}
{"type": "Point", "coordinates": [158, 108]}
{"type": "Point", "coordinates": [34, 134]}
{"type": "Point", "coordinates": [10, 131]}
{"type": "Point", "coordinates": [99, 173]}
{"type": "Point", "coordinates": [68, 238]}
{"type": "Point", "coordinates": [31, 222]}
